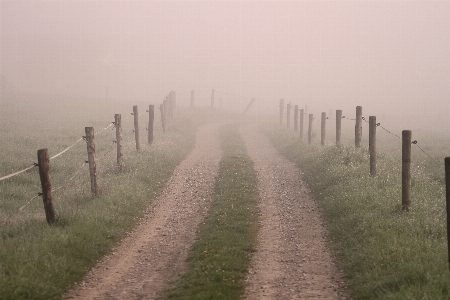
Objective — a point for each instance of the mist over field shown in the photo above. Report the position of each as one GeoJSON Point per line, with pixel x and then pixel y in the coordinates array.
{"type": "Point", "coordinates": [391, 57]}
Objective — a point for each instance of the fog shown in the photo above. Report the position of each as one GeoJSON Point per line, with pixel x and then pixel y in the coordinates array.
{"type": "Point", "coordinates": [387, 56]}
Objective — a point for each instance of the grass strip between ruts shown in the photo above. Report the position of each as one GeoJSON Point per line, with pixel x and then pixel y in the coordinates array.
{"type": "Point", "coordinates": [226, 240]}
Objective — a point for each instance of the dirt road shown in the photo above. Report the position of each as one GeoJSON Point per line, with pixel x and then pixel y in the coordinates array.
{"type": "Point", "coordinates": [292, 260]}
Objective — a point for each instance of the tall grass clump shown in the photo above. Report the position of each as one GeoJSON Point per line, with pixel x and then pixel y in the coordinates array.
{"type": "Point", "coordinates": [385, 253]}
{"type": "Point", "coordinates": [220, 257]}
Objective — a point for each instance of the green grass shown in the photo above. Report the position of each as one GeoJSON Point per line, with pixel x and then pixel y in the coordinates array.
{"type": "Point", "coordinates": [385, 253]}
{"type": "Point", "coordinates": [38, 261]}
{"type": "Point", "coordinates": [220, 257]}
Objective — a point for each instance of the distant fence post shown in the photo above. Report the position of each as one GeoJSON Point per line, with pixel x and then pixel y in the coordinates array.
{"type": "Point", "coordinates": [310, 128]}
{"type": "Point", "coordinates": [43, 163]}
{"type": "Point", "coordinates": [288, 115]}
{"type": "Point", "coordinates": [281, 111]}
{"type": "Point", "coordinates": [163, 117]}
{"type": "Point", "coordinates": [358, 127]}
{"type": "Point", "coordinates": [118, 123]}
{"type": "Point", "coordinates": [136, 126]}
{"type": "Point", "coordinates": [91, 159]}
{"type": "Point", "coordinates": [151, 119]}
{"type": "Point", "coordinates": [212, 98]}
{"type": "Point", "coordinates": [302, 115]}
{"type": "Point", "coordinates": [192, 99]}
{"type": "Point", "coordinates": [338, 126]}
{"type": "Point", "coordinates": [373, 144]}
{"type": "Point", "coordinates": [322, 128]}
{"type": "Point", "coordinates": [447, 203]}
{"type": "Point", "coordinates": [406, 170]}
{"type": "Point", "coordinates": [296, 118]}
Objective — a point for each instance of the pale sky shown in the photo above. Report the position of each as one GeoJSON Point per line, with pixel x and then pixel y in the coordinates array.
{"type": "Point", "coordinates": [371, 53]}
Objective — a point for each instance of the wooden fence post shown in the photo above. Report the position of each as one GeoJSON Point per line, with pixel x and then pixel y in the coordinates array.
{"type": "Point", "coordinates": [358, 127]}
{"type": "Point", "coordinates": [447, 203]}
{"type": "Point", "coordinates": [310, 128]}
{"type": "Point", "coordinates": [118, 123]}
{"type": "Point", "coordinates": [288, 115]}
{"type": "Point", "coordinates": [212, 98]}
{"type": "Point", "coordinates": [281, 111]}
{"type": "Point", "coordinates": [192, 99]}
{"type": "Point", "coordinates": [163, 117]}
{"type": "Point", "coordinates": [373, 144]}
{"type": "Point", "coordinates": [296, 118]}
{"type": "Point", "coordinates": [43, 163]}
{"type": "Point", "coordinates": [338, 126]}
{"type": "Point", "coordinates": [322, 129]}
{"type": "Point", "coordinates": [91, 159]}
{"type": "Point", "coordinates": [151, 119]}
{"type": "Point", "coordinates": [136, 126]}
{"type": "Point", "coordinates": [302, 115]}
{"type": "Point", "coordinates": [406, 170]}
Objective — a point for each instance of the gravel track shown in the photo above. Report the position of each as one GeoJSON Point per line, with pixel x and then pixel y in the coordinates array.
{"type": "Point", "coordinates": [292, 260]}
{"type": "Point", "coordinates": [157, 249]}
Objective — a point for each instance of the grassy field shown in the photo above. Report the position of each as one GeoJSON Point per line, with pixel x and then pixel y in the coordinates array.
{"type": "Point", "coordinates": [385, 253]}
{"type": "Point", "coordinates": [38, 261]}
{"type": "Point", "coordinates": [220, 257]}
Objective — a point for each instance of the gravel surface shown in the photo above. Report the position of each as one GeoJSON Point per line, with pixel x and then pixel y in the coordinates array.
{"type": "Point", "coordinates": [157, 249]}
{"type": "Point", "coordinates": [292, 260]}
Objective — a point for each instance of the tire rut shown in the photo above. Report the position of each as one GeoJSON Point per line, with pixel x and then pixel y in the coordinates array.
{"type": "Point", "coordinates": [156, 250]}
{"type": "Point", "coordinates": [292, 260]}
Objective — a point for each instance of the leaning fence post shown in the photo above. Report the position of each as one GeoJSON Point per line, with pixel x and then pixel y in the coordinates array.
{"type": "Point", "coordinates": [338, 126]}
{"type": "Point", "coordinates": [322, 129]}
{"type": "Point", "coordinates": [43, 163]}
{"type": "Point", "coordinates": [302, 115]}
{"type": "Point", "coordinates": [406, 170]}
{"type": "Point", "coordinates": [136, 126]}
{"type": "Point", "coordinates": [118, 123]}
{"type": "Point", "coordinates": [91, 159]}
{"type": "Point", "coordinates": [373, 144]}
{"type": "Point", "coordinates": [310, 128]}
{"type": "Point", "coordinates": [281, 111]}
{"type": "Point", "coordinates": [358, 127]}
{"type": "Point", "coordinates": [447, 203]}
{"type": "Point", "coordinates": [151, 119]}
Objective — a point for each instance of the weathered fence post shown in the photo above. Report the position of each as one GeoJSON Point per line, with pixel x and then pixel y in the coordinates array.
{"type": "Point", "coordinates": [322, 129]}
{"type": "Point", "coordinates": [281, 111]}
{"type": "Point", "coordinates": [163, 117]}
{"type": "Point", "coordinates": [338, 126]}
{"type": "Point", "coordinates": [192, 99]}
{"type": "Point", "coordinates": [447, 203]}
{"type": "Point", "coordinates": [406, 170]}
{"type": "Point", "coordinates": [118, 123]}
{"type": "Point", "coordinates": [288, 115]}
{"type": "Point", "coordinates": [302, 115]}
{"type": "Point", "coordinates": [212, 98]}
{"type": "Point", "coordinates": [43, 163]}
{"type": "Point", "coordinates": [151, 119]}
{"type": "Point", "coordinates": [358, 127]}
{"type": "Point", "coordinates": [310, 128]}
{"type": "Point", "coordinates": [91, 159]}
{"type": "Point", "coordinates": [296, 118]}
{"type": "Point", "coordinates": [373, 144]}
{"type": "Point", "coordinates": [136, 126]}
